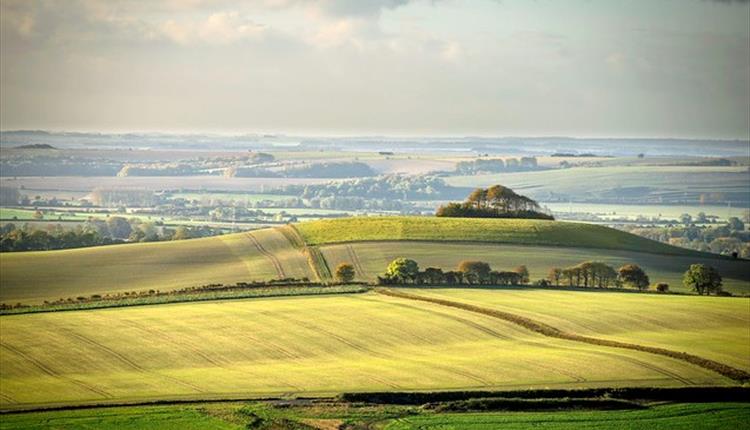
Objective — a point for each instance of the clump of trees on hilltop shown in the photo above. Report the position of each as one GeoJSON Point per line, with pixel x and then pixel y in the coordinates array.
{"type": "Point", "coordinates": [494, 202]}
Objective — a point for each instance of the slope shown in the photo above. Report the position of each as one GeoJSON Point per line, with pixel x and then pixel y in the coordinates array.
{"type": "Point", "coordinates": [303, 346]}
{"type": "Point", "coordinates": [44, 275]}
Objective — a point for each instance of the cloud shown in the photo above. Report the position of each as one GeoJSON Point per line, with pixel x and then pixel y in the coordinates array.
{"type": "Point", "coordinates": [218, 28]}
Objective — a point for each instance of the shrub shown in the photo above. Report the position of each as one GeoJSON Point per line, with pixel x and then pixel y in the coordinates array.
{"type": "Point", "coordinates": [662, 287]}
{"type": "Point", "coordinates": [344, 272]}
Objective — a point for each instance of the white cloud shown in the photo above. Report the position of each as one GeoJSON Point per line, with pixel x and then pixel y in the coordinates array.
{"type": "Point", "coordinates": [218, 28]}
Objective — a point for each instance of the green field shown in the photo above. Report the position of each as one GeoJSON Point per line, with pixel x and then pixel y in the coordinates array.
{"type": "Point", "coordinates": [31, 277]}
{"type": "Point", "coordinates": [666, 417]}
{"type": "Point", "coordinates": [241, 415]}
{"type": "Point", "coordinates": [131, 418]}
{"type": "Point", "coordinates": [508, 231]}
{"type": "Point", "coordinates": [323, 345]}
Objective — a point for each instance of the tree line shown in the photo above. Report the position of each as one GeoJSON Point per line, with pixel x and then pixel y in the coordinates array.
{"type": "Point", "coordinates": [94, 232]}
{"type": "Point", "coordinates": [404, 271]}
{"type": "Point", "coordinates": [703, 279]}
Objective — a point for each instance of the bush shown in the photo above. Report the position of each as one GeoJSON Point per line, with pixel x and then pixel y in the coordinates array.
{"type": "Point", "coordinates": [344, 272]}
{"type": "Point", "coordinates": [662, 287]}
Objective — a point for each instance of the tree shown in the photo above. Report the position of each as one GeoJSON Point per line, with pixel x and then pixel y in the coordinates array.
{"type": "Point", "coordinates": [475, 271]}
{"type": "Point", "coordinates": [735, 224]}
{"type": "Point", "coordinates": [434, 275]}
{"type": "Point", "coordinates": [554, 276]}
{"type": "Point", "coordinates": [662, 287]}
{"type": "Point", "coordinates": [344, 272]}
{"type": "Point", "coordinates": [402, 270]}
{"type": "Point", "coordinates": [119, 227]}
{"type": "Point", "coordinates": [686, 219]}
{"type": "Point", "coordinates": [703, 279]}
{"type": "Point", "coordinates": [181, 233]}
{"type": "Point", "coordinates": [523, 274]}
{"type": "Point", "coordinates": [633, 275]}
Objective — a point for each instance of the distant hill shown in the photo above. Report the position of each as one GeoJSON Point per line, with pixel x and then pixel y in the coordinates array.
{"type": "Point", "coordinates": [35, 146]}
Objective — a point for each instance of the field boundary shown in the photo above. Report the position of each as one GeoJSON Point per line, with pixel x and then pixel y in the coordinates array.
{"type": "Point", "coordinates": [240, 294]}
{"type": "Point", "coordinates": [550, 331]}
{"type": "Point", "coordinates": [701, 394]}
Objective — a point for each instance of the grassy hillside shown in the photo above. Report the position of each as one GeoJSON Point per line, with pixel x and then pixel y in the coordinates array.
{"type": "Point", "coordinates": [371, 258]}
{"type": "Point", "coordinates": [322, 345]}
{"type": "Point", "coordinates": [48, 275]}
{"type": "Point", "coordinates": [508, 231]}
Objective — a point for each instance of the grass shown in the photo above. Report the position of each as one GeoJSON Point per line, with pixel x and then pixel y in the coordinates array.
{"type": "Point", "coordinates": [718, 332]}
{"type": "Point", "coordinates": [663, 417]}
{"type": "Point", "coordinates": [31, 277]}
{"type": "Point", "coordinates": [130, 418]}
{"type": "Point", "coordinates": [507, 231]}
{"type": "Point", "coordinates": [333, 415]}
{"type": "Point", "coordinates": [315, 345]}
{"type": "Point", "coordinates": [373, 258]}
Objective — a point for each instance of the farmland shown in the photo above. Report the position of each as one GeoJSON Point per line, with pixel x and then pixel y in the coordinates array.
{"type": "Point", "coordinates": [372, 258]}
{"type": "Point", "coordinates": [36, 276]}
{"type": "Point", "coordinates": [719, 333]}
{"type": "Point", "coordinates": [633, 184]}
{"type": "Point", "coordinates": [317, 345]}
{"type": "Point", "coordinates": [31, 277]}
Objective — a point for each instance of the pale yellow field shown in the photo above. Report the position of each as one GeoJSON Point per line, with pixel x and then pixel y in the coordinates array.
{"type": "Point", "coordinates": [717, 328]}
{"type": "Point", "coordinates": [49, 275]}
{"type": "Point", "coordinates": [304, 346]}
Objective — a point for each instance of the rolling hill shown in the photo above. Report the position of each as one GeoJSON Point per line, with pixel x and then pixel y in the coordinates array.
{"type": "Point", "coordinates": [317, 346]}
{"type": "Point", "coordinates": [369, 243]}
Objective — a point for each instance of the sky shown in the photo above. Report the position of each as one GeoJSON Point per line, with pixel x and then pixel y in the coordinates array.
{"type": "Point", "coordinates": [586, 68]}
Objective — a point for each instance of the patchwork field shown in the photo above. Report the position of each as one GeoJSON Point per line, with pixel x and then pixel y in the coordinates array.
{"type": "Point", "coordinates": [325, 345]}
{"type": "Point", "coordinates": [641, 184]}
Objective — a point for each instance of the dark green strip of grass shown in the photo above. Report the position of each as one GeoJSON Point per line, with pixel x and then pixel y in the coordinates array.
{"type": "Point", "coordinates": [228, 294]}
